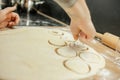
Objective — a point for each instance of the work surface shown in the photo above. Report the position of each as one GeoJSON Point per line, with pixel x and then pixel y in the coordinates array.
{"type": "Point", "coordinates": [51, 54]}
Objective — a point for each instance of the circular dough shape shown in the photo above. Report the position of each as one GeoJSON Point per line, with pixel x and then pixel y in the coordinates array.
{"type": "Point", "coordinates": [90, 57]}
{"type": "Point", "coordinates": [56, 33]}
{"type": "Point", "coordinates": [79, 47]}
{"type": "Point", "coordinates": [66, 51]}
{"type": "Point", "coordinates": [56, 41]}
{"type": "Point", "coordinates": [77, 65]}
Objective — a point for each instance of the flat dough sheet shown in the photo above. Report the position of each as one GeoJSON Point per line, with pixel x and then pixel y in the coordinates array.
{"type": "Point", "coordinates": [27, 54]}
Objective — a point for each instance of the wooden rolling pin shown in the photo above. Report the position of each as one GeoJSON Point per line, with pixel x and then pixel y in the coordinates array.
{"type": "Point", "coordinates": [110, 40]}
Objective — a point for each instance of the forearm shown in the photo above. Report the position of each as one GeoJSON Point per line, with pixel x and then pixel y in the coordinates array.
{"type": "Point", "coordinates": [66, 3]}
{"type": "Point", "coordinates": [75, 9]}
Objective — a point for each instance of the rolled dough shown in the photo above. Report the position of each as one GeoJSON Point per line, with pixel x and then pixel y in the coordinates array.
{"type": "Point", "coordinates": [25, 54]}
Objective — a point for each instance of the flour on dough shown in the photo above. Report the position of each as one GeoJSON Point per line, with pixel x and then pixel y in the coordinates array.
{"type": "Point", "coordinates": [66, 51]}
{"type": "Point", "coordinates": [90, 57]}
{"type": "Point", "coordinates": [77, 65]}
{"type": "Point", "coordinates": [30, 54]}
{"type": "Point", "coordinates": [56, 41]}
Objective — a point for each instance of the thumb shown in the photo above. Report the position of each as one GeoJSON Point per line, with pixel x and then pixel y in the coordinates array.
{"type": "Point", "coordinates": [9, 9]}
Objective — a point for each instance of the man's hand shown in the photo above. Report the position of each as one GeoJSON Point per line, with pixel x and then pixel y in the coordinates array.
{"type": "Point", "coordinates": [81, 24]}
{"type": "Point", "coordinates": [8, 18]}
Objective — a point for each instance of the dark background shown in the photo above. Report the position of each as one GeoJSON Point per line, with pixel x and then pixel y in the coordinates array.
{"type": "Point", "coordinates": [105, 14]}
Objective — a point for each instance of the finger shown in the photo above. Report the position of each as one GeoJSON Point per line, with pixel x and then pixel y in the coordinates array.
{"type": "Point", "coordinates": [9, 9]}
{"type": "Point", "coordinates": [13, 19]}
{"type": "Point", "coordinates": [17, 18]}
{"type": "Point", "coordinates": [75, 32]}
{"type": "Point", "coordinates": [10, 25]}
{"type": "Point", "coordinates": [82, 37]}
{"type": "Point", "coordinates": [88, 30]}
{"type": "Point", "coordinates": [3, 24]}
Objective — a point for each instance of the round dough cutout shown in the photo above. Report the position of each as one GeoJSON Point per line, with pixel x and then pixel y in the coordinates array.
{"type": "Point", "coordinates": [66, 51]}
{"type": "Point", "coordinates": [56, 41]}
{"type": "Point", "coordinates": [77, 65]}
{"type": "Point", "coordinates": [90, 57]}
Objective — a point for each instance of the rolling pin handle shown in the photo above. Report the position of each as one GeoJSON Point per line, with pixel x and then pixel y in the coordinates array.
{"type": "Point", "coordinates": [99, 35]}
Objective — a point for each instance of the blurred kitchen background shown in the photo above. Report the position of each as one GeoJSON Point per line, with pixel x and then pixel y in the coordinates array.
{"type": "Point", "coordinates": [105, 13]}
